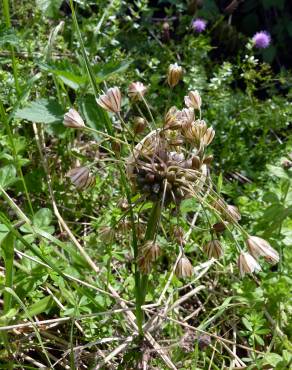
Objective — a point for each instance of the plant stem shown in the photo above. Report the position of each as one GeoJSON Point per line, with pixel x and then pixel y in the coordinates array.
{"type": "Point", "coordinates": [14, 152]}
{"type": "Point", "coordinates": [150, 235]}
{"type": "Point", "coordinates": [13, 59]}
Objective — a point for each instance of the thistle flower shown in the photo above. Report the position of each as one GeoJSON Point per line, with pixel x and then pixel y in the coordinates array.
{"type": "Point", "coordinates": [260, 247]}
{"type": "Point", "coordinates": [81, 178]}
{"type": "Point", "coordinates": [193, 100]}
{"type": "Point", "coordinates": [213, 249]}
{"type": "Point", "coordinates": [199, 25]}
{"type": "Point", "coordinates": [73, 119]}
{"type": "Point", "coordinates": [184, 268]}
{"type": "Point", "coordinates": [247, 264]}
{"type": "Point", "coordinates": [174, 74]}
{"type": "Point", "coordinates": [261, 40]}
{"type": "Point", "coordinates": [148, 253]}
{"type": "Point", "coordinates": [136, 90]}
{"type": "Point", "coordinates": [111, 100]}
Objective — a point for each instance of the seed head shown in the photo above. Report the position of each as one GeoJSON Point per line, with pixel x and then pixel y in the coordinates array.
{"type": "Point", "coordinates": [174, 74]}
{"type": "Point", "coordinates": [136, 90]}
{"type": "Point", "coordinates": [260, 247]}
{"type": "Point", "coordinates": [184, 268]}
{"type": "Point", "coordinates": [111, 100]}
{"type": "Point", "coordinates": [81, 177]}
{"type": "Point", "coordinates": [213, 249]}
{"type": "Point", "coordinates": [73, 119]}
{"type": "Point", "coordinates": [247, 264]}
{"type": "Point", "coordinates": [193, 100]}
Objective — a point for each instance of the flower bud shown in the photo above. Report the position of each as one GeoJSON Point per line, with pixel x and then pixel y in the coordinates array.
{"type": "Point", "coordinates": [81, 178]}
{"type": "Point", "coordinates": [174, 74]}
{"type": "Point", "coordinates": [196, 163]}
{"type": "Point", "coordinates": [199, 129]}
{"type": "Point", "coordinates": [111, 100]}
{"type": "Point", "coordinates": [136, 90]}
{"type": "Point", "coordinates": [184, 268]}
{"type": "Point", "coordinates": [73, 119]}
{"type": "Point", "coordinates": [247, 264]}
{"type": "Point", "coordinates": [193, 100]}
{"type": "Point", "coordinates": [139, 125]}
{"type": "Point", "coordinates": [213, 249]}
{"type": "Point", "coordinates": [260, 247]}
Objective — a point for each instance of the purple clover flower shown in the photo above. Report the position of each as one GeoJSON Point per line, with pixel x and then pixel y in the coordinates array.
{"type": "Point", "coordinates": [199, 25]}
{"type": "Point", "coordinates": [261, 39]}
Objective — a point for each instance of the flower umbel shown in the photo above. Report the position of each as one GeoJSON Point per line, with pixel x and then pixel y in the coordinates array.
{"type": "Point", "coordinates": [261, 39]}
{"type": "Point", "coordinates": [111, 101]}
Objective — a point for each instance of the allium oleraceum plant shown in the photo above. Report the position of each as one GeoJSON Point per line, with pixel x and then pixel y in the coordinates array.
{"type": "Point", "coordinates": [168, 164]}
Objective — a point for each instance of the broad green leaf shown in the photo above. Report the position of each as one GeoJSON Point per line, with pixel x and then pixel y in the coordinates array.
{"type": "Point", "coordinates": [8, 37]}
{"type": "Point", "coordinates": [272, 359]}
{"type": "Point", "coordinates": [42, 111]}
{"type": "Point", "coordinates": [106, 70]}
{"type": "Point", "coordinates": [40, 306]}
{"type": "Point", "coordinates": [42, 219]}
{"type": "Point", "coordinates": [7, 176]}
{"type": "Point", "coordinates": [93, 114]}
{"type": "Point", "coordinates": [278, 172]}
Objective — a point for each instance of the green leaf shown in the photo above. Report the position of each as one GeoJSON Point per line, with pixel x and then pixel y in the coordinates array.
{"type": "Point", "coordinates": [42, 220]}
{"type": "Point", "coordinates": [50, 8]}
{"type": "Point", "coordinates": [106, 70]}
{"type": "Point", "coordinates": [8, 37]}
{"type": "Point", "coordinates": [40, 306]}
{"type": "Point", "coordinates": [42, 111]}
{"type": "Point", "coordinates": [7, 245]}
{"type": "Point", "coordinates": [272, 359]}
{"type": "Point", "coordinates": [247, 324]}
{"type": "Point", "coordinates": [278, 172]}
{"type": "Point", "coordinates": [93, 114]}
{"type": "Point", "coordinates": [7, 176]}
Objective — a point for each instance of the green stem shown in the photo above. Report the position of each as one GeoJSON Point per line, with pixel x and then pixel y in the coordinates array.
{"type": "Point", "coordinates": [6, 13]}
{"type": "Point", "coordinates": [150, 235]}
{"type": "Point", "coordinates": [14, 152]}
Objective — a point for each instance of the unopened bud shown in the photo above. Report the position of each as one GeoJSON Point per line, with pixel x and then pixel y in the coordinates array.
{"type": "Point", "coordinates": [136, 90]}
{"type": "Point", "coordinates": [193, 100]}
{"type": "Point", "coordinates": [139, 125]}
{"type": "Point", "coordinates": [184, 268]}
{"type": "Point", "coordinates": [111, 100]}
{"type": "Point", "coordinates": [81, 177]}
{"type": "Point", "coordinates": [213, 249]}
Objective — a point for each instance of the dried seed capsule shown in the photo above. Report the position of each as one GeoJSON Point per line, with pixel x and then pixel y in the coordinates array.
{"type": "Point", "coordinates": [136, 90]}
{"type": "Point", "coordinates": [139, 125]}
{"type": "Point", "coordinates": [260, 247]}
{"type": "Point", "coordinates": [209, 136]}
{"type": "Point", "coordinates": [81, 178]}
{"type": "Point", "coordinates": [73, 119]}
{"type": "Point", "coordinates": [213, 249]}
{"type": "Point", "coordinates": [171, 176]}
{"type": "Point", "coordinates": [148, 253]}
{"type": "Point", "coordinates": [106, 234]}
{"type": "Point", "coordinates": [196, 163]}
{"type": "Point", "coordinates": [208, 159]}
{"type": "Point", "coordinates": [111, 100]}
{"type": "Point", "coordinates": [193, 100]}
{"type": "Point", "coordinates": [219, 227]}
{"type": "Point", "coordinates": [232, 213]}
{"type": "Point", "coordinates": [174, 74]}
{"type": "Point", "coordinates": [247, 264]}
{"type": "Point", "coordinates": [184, 268]}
